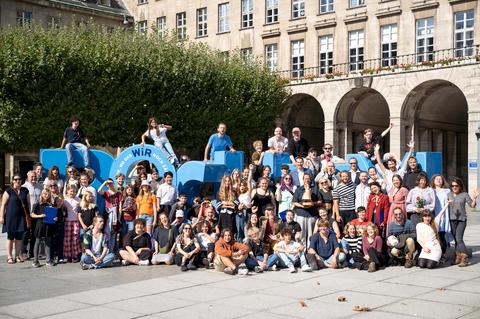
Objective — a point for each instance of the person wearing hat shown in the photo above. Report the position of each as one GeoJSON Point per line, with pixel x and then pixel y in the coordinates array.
{"type": "Point", "coordinates": [297, 146]}
{"type": "Point", "coordinates": [147, 206]}
{"type": "Point", "coordinates": [179, 222]}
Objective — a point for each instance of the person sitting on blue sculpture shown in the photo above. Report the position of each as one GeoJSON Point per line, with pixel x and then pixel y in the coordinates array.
{"type": "Point", "coordinates": [158, 133]}
{"type": "Point", "coordinates": [219, 141]}
{"type": "Point", "coordinates": [72, 139]}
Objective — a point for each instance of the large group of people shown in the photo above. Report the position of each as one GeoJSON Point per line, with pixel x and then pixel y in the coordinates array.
{"type": "Point", "coordinates": [311, 217]}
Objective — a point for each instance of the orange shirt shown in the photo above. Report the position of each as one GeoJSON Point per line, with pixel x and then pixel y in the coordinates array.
{"type": "Point", "coordinates": [145, 204]}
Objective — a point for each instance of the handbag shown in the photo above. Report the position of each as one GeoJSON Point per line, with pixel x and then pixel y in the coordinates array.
{"type": "Point", "coordinates": [28, 222]}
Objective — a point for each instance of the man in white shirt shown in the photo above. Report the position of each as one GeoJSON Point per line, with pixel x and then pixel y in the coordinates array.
{"type": "Point", "coordinates": [166, 194]}
{"type": "Point", "coordinates": [362, 191]}
{"type": "Point", "coordinates": [328, 156]}
{"type": "Point", "coordinates": [277, 143]}
{"type": "Point", "coordinates": [34, 190]}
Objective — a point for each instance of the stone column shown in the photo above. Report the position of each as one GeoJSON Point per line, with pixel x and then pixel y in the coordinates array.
{"type": "Point", "coordinates": [473, 124]}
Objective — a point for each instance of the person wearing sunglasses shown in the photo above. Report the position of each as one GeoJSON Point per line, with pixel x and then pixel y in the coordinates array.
{"type": "Point", "coordinates": [14, 215]}
{"type": "Point", "coordinates": [284, 195]}
{"type": "Point", "coordinates": [327, 156]}
{"type": "Point", "coordinates": [459, 199]}
{"type": "Point", "coordinates": [188, 248]}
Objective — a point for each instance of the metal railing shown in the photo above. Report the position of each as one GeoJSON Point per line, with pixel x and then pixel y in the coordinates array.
{"type": "Point", "coordinates": [400, 63]}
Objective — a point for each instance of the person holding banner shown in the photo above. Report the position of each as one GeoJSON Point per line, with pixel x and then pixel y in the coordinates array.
{"type": "Point", "coordinates": [45, 215]}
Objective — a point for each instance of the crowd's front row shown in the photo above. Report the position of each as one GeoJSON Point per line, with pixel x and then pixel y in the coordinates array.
{"type": "Point", "coordinates": [361, 247]}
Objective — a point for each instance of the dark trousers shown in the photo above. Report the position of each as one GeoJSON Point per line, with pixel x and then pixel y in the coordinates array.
{"type": "Point", "coordinates": [458, 229]}
{"type": "Point", "coordinates": [179, 257]}
{"type": "Point", "coordinates": [426, 263]}
{"type": "Point", "coordinates": [58, 240]}
{"type": "Point", "coordinates": [374, 256]}
{"type": "Point", "coordinates": [347, 216]}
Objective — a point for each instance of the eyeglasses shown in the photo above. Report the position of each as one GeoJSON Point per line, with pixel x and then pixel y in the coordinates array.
{"type": "Point", "coordinates": [287, 179]}
{"type": "Point", "coordinates": [17, 179]}
{"type": "Point", "coordinates": [70, 172]}
{"type": "Point", "coordinates": [455, 185]}
{"type": "Point", "coordinates": [327, 148]}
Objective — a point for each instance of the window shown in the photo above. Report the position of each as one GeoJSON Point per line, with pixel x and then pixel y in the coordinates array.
{"type": "Point", "coordinates": [246, 54]}
{"type": "Point", "coordinates": [223, 13]}
{"type": "Point", "coordinates": [247, 13]}
{"type": "Point", "coordinates": [298, 9]}
{"type": "Point", "coordinates": [464, 23]}
{"type": "Point", "coordinates": [388, 34]}
{"type": "Point", "coordinates": [326, 54]}
{"type": "Point", "coordinates": [53, 22]}
{"type": "Point", "coordinates": [298, 58]}
{"type": "Point", "coordinates": [202, 22]}
{"type": "Point", "coordinates": [181, 26]}
{"type": "Point", "coordinates": [326, 6]}
{"type": "Point", "coordinates": [424, 39]}
{"type": "Point", "coordinates": [162, 26]}
{"type": "Point", "coordinates": [142, 1]}
{"type": "Point", "coordinates": [355, 46]}
{"type": "Point", "coordinates": [142, 27]}
{"type": "Point", "coordinates": [271, 57]}
{"type": "Point", "coordinates": [271, 11]}
{"type": "Point", "coordinates": [24, 18]}
{"type": "Point", "coordinates": [356, 3]}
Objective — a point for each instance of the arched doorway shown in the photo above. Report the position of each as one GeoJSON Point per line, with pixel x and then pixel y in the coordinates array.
{"type": "Point", "coordinates": [359, 109]}
{"type": "Point", "coordinates": [305, 112]}
{"type": "Point", "coordinates": [438, 112]}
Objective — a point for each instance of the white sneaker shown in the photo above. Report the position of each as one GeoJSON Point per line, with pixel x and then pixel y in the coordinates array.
{"type": "Point", "coordinates": [306, 268]}
{"type": "Point", "coordinates": [242, 269]}
{"type": "Point", "coordinates": [125, 262]}
{"type": "Point", "coordinates": [292, 269]}
{"type": "Point", "coordinates": [144, 262]}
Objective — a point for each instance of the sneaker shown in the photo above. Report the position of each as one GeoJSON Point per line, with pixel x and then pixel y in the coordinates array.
{"type": "Point", "coordinates": [50, 263]}
{"type": "Point", "coordinates": [273, 268]}
{"type": "Point", "coordinates": [372, 267]}
{"type": "Point", "coordinates": [306, 268]}
{"type": "Point", "coordinates": [84, 266]}
{"type": "Point", "coordinates": [229, 271]}
{"type": "Point", "coordinates": [243, 271]}
{"type": "Point", "coordinates": [125, 262]}
{"type": "Point", "coordinates": [191, 266]}
{"type": "Point", "coordinates": [184, 268]}
{"type": "Point", "coordinates": [258, 269]}
{"type": "Point", "coordinates": [211, 266]}
{"type": "Point", "coordinates": [291, 269]}
{"type": "Point", "coordinates": [408, 263]}
{"type": "Point", "coordinates": [36, 264]}
{"type": "Point", "coordinates": [62, 261]}
{"type": "Point", "coordinates": [144, 262]}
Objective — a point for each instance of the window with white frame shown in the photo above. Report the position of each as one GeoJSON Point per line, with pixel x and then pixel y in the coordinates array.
{"type": "Point", "coordinates": [326, 6]}
{"type": "Point", "coordinates": [298, 9]}
{"type": "Point", "coordinates": [142, 27]}
{"type": "Point", "coordinates": [162, 26]}
{"type": "Point", "coordinates": [181, 25]}
{"type": "Point", "coordinates": [424, 39]}
{"type": "Point", "coordinates": [355, 48]}
{"type": "Point", "coordinates": [271, 57]}
{"type": "Point", "coordinates": [271, 11]}
{"type": "Point", "coordinates": [247, 13]}
{"type": "Point", "coordinates": [356, 3]}
{"type": "Point", "coordinates": [298, 58]}
{"type": "Point", "coordinates": [223, 17]}
{"type": "Point", "coordinates": [202, 22]}
{"type": "Point", "coordinates": [464, 24]}
{"type": "Point", "coordinates": [388, 34]}
{"type": "Point", "coordinates": [326, 54]}
{"type": "Point", "coordinates": [24, 18]}
{"type": "Point", "coordinates": [247, 54]}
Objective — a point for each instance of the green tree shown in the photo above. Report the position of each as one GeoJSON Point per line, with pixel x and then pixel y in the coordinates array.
{"type": "Point", "coordinates": [115, 81]}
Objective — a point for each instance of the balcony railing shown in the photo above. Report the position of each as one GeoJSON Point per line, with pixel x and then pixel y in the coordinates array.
{"type": "Point", "coordinates": [400, 63]}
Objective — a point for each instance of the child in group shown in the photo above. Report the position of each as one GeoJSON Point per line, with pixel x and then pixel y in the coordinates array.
{"type": "Point", "coordinates": [360, 223]}
{"type": "Point", "coordinates": [43, 232]}
{"type": "Point", "coordinates": [291, 253]}
{"type": "Point", "coordinates": [87, 211]}
{"type": "Point", "coordinates": [147, 206]}
{"type": "Point", "coordinates": [113, 205]}
{"type": "Point", "coordinates": [244, 209]}
{"type": "Point", "coordinates": [129, 210]}
{"type": "Point", "coordinates": [71, 244]}
{"type": "Point", "coordinates": [206, 238]}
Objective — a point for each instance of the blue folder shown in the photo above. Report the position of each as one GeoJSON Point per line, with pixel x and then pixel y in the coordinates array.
{"type": "Point", "coordinates": [50, 214]}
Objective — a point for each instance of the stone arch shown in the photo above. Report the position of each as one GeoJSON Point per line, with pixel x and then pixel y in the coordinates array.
{"type": "Point", "coordinates": [436, 111]}
{"type": "Point", "coordinates": [358, 109]}
{"type": "Point", "coordinates": [305, 112]}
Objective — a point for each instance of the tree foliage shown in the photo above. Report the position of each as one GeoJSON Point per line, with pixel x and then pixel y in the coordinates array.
{"type": "Point", "coordinates": [115, 81]}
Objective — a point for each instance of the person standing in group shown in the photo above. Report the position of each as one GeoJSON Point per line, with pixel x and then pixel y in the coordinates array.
{"type": "Point", "coordinates": [34, 190]}
{"type": "Point", "coordinates": [14, 215]}
{"type": "Point", "coordinates": [378, 207]}
{"type": "Point", "coordinates": [226, 207]}
{"type": "Point", "coordinates": [113, 207]}
{"type": "Point", "coordinates": [305, 202]}
{"type": "Point", "coordinates": [440, 187]}
{"type": "Point", "coordinates": [72, 139]}
{"type": "Point", "coordinates": [344, 200]}
{"type": "Point", "coordinates": [71, 244]}
{"type": "Point", "coordinates": [458, 199]}
{"type": "Point", "coordinates": [87, 211]}
{"type": "Point", "coordinates": [362, 191]}
{"type": "Point", "coordinates": [397, 195]}
{"type": "Point", "coordinates": [219, 141]}
{"type": "Point", "coordinates": [411, 174]}
{"type": "Point", "coordinates": [53, 176]}
{"type": "Point", "coordinates": [85, 186]}
{"type": "Point", "coordinates": [354, 171]}
{"type": "Point", "coordinates": [327, 156]}
{"type": "Point", "coordinates": [158, 133]}
{"type": "Point", "coordinates": [147, 206]}
{"type": "Point", "coordinates": [284, 195]}
{"type": "Point", "coordinates": [261, 197]}
{"type": "Point", "coordinates": [419, 198]}
{"type": "Point", "coordinates": [43, 231]}
{"type": "Point", "coordinates": [297, 146]}
{"type": "Point", "coordinates": [392, 168]}
{"type": "Point", "coordinates": [166, 193]}
{"type": "Point", "coordinates": [277, 143]}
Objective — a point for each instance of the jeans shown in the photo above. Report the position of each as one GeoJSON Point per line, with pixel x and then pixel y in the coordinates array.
{"type": "Point", "coordinates": [167, 150]}
{"type": "Point", "coordinates": [458, 229]}
{"type": "Point", "coordinates": [288, 260]}
{"type": "Point", "coordinates": [240, 221]}
{"type": "Point", "coordinates": [147, 218]}
{"type": "Point", "coordinates": [70, 147]}
{"type": "Point", "coordinates": [252, 263]}
{"type": "Point", "coordinates": [106, 262]}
